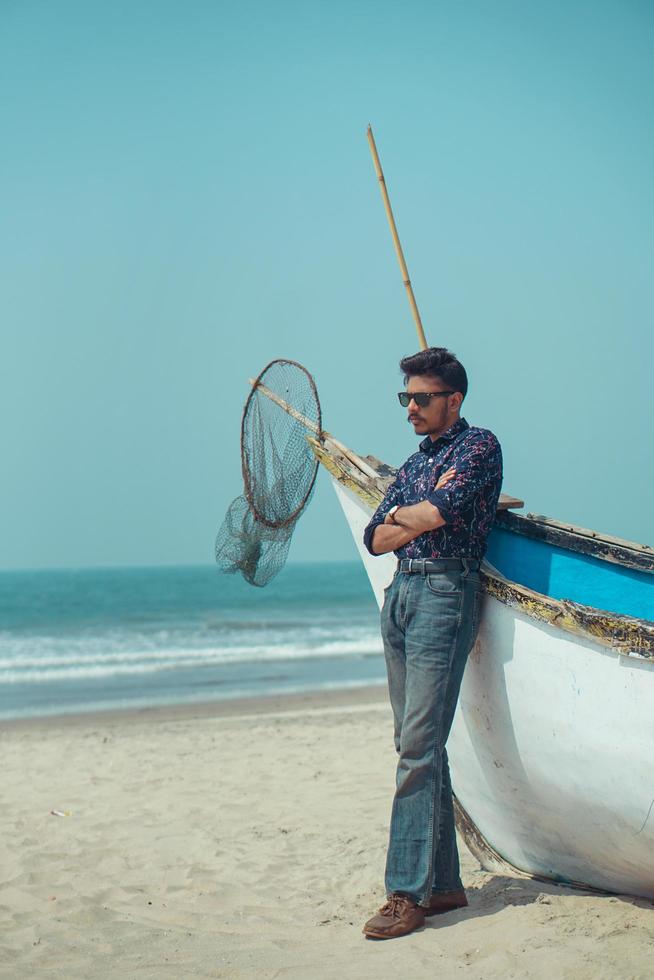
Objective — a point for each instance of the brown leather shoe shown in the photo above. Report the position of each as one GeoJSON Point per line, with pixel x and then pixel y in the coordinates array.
{"type": "Point", "coordinates": [400, 916]}
{"type": "Point", "coordinates": [446, 902]}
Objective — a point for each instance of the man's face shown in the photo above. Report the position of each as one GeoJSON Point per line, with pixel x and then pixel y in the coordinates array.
{"type": "Point", "coordinates": [439, 414]}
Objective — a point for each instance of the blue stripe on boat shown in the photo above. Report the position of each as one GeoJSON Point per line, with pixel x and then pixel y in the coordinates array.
{"type": "Point", "coordinates": [564, 574]}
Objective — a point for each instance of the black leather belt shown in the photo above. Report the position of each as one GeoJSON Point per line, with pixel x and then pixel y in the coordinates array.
{"type": "Point", "coordinates": [425, 566]}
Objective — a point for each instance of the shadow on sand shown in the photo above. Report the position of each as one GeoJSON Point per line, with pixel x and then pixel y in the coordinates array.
{"type": "Point", "coordinates": [501, 891]}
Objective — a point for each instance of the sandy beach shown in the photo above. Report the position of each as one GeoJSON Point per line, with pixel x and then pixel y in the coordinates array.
{"type": "Point", "coordinates": [247, 840]}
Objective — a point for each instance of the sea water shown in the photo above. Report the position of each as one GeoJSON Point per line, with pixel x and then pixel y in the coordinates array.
{"type": "Point", "coordinates": [93, 640]}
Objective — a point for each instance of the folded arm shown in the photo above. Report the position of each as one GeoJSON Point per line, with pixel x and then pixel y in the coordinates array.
{"type": "Point", "coordinates": [407, 523]}
{"type": "Point", "coordinates": [418, 517]}
{"type": "Point", "coordinates": [390, 537]}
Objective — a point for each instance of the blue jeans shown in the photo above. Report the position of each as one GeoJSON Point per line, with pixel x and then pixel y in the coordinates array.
{"type": "Point", "coordinates": [429, 624]}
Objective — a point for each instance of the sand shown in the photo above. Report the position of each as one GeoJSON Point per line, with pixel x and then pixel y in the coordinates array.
{"type": "Point", "coordinates": [247, 841]}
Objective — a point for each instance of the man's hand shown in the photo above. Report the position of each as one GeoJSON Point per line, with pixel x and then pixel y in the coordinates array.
{"type": "Point", "coordinates": [446, 477]}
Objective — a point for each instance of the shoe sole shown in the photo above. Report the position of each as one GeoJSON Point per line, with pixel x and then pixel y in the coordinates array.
{"type": "Point", "coordinates": [429, 913]}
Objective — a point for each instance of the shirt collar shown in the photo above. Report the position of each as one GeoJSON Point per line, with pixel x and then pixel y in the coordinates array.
{"type": "Point", "coordinates": [430, 447]}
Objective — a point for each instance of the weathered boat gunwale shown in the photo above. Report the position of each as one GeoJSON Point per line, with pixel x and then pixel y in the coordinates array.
{"type": "Point", "coordinates": [585, 542]}
{"type": "Point", "coordinates": [343, 470]}
{"type": "Point", "coordinates": [626, 635]}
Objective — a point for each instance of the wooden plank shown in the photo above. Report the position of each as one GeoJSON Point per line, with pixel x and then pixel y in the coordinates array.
{"type": "Point", "coordinates": [587, 533]}
{"type": "Point", "coordinates": [506, 502]}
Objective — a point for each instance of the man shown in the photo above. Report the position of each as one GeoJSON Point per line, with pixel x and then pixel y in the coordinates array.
{"type": "Point", "coordinates": [436, 517]}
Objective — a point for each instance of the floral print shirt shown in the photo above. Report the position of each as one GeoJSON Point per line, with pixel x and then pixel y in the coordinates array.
{"type": "Point", "coordinates": [467, 503]}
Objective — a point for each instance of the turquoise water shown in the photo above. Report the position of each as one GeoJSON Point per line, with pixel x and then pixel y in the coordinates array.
{"type": "Point", "coordinates": [117, 638]}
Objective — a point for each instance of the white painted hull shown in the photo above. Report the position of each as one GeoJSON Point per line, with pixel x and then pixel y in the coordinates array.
{"type": "Point", "coordinates": [551, 747]}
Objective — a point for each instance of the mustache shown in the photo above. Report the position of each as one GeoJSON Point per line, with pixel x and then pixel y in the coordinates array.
{"type": "Point", "coordinates": [415, 418]}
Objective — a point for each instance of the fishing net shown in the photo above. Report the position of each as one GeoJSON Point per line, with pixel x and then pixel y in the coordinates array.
{"type": "Point", "coordinates": [279, 472]}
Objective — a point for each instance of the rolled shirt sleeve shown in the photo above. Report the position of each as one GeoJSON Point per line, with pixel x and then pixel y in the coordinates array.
{"type": "Point", "coordinates": [393, 496]}
{"type": "Point", "coordinates": [479, 463]}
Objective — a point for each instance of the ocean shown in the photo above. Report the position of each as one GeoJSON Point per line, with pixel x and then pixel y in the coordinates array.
{"type": "Point", "coordinates": [90, 640]}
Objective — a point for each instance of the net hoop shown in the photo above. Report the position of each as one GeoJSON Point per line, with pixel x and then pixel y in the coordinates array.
{"type": "Point", "coordinates": [248, 481]}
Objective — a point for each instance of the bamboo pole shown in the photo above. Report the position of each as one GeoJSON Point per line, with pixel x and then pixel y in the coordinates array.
{"type": "Point", "coordinates": [396, 240]}
{"type": "Point", "coordinates": [293, 412]}
{"type": "Point", "coordinates": [325, 436]}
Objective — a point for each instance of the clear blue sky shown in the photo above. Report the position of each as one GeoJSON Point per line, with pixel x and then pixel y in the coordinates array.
{"type": "Point", "coordinates": [186, 192]}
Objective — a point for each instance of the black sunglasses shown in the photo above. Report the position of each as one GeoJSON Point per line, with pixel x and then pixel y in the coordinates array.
{"type": "Point", "coordinates": [421, 398]}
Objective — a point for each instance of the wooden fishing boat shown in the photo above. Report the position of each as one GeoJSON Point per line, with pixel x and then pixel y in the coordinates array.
{"type": "Point", "coordinates": [551, 747]}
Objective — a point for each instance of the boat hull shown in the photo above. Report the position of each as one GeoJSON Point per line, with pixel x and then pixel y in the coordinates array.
{"type": "Point", "coordinates": [550, 753]}
{"type": "Point", "coordinates": [550, 750]}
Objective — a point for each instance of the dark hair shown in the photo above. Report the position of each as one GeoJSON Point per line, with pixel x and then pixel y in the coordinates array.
{"type": "Point", "coordinates": [439, 363]}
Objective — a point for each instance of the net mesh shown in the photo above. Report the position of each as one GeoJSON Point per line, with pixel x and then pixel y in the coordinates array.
{"type": "Point", "coordinates": [279, 472]}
